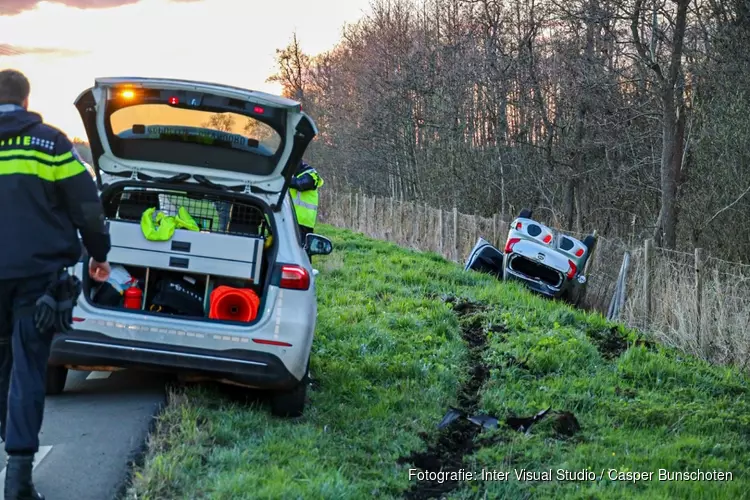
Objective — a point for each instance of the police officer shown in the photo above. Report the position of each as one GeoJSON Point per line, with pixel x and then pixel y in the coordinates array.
{"type": "Point", "coordinates": [304, 192]}
{"type": "Point", "coordinates": [46, 194]}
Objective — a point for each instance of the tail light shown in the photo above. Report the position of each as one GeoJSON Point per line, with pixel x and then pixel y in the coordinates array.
{"type": "Point", "coordinates": [547, 239]}
{"type": "Point", "coordinates": [294, 278]}
{"type": "Point", "coordinates": [509, 245]}
{"type": "Point", "coordinates": [579, 252]}
{"type": "Point", "coordinates": [519, 226]}
{"type": "Point", "coordinates": [572, 270]}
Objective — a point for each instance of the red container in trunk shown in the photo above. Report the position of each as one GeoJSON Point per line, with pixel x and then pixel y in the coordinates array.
{"type": "Point", "coordinates": [133, 298]}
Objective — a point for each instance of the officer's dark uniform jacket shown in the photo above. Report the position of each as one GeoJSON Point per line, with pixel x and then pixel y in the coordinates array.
{"type": "Point", "coordinates": [46, 194]}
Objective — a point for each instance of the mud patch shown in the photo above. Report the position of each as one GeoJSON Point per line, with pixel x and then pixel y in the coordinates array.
{"type": "Point", "coordinates": [566, 424]}
{"type": "Point", "coordinates": [610, 342]}
{"type": "Point", "coordinates": [513, 362]}
{"type": "Point", "coordinates": [457, 436]}
{"type": "Point", "coordinates": [626, 392]}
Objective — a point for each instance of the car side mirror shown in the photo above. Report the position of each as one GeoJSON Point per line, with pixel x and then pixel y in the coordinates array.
{"type": "Point", "coordinates": [318, 245]}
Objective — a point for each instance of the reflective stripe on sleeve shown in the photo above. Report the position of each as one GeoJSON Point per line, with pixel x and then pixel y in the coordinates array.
{"type": "Point", "coordinates": [30, 164]}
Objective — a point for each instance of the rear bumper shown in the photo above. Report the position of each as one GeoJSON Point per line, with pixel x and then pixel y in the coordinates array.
{"type": "Point", "coordinates": [254, 368]}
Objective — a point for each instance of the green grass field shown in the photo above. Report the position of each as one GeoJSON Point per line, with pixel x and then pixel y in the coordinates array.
{"type": "Point", "coordinates": [403, 336]}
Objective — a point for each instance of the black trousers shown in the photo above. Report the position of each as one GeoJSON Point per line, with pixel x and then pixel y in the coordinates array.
{"type": "Point", "coordinates": [24, 353]}
{"type": "Point", "coordinates": [304, 231]}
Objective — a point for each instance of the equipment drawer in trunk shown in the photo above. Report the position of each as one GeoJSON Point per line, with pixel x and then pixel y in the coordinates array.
{"type": "Point", "coordinates": [196, 252]}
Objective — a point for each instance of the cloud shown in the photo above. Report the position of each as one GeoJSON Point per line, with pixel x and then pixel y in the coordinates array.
{"type": "Point", "coordinates": [13, 7]}
{"type": "Point", "coordinates": [15, 50]}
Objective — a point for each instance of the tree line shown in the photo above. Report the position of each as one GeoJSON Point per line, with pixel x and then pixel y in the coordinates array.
{"type": "Point", "coordinates": [626, 116]}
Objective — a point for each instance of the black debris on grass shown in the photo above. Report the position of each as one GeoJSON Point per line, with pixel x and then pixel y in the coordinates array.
{"type": "Point", "coordinates": [523, 424]}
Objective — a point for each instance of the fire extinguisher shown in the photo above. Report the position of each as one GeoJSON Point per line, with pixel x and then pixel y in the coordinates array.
{"type": "Point", "coordinates": [133, 297]}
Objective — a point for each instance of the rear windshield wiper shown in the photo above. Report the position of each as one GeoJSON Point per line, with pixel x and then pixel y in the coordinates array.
{"type": "Point", "coordinates": [207, 183]}
{"type": "Point", "coordinates": [175, 179]}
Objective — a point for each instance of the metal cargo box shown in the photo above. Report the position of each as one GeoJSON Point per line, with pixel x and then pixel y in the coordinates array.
{"type": "Point", "coordinates": [195, 252]}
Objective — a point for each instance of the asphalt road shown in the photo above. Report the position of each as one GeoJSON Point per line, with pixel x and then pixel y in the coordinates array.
{"type": "Point", "coordinates": [92, 431]}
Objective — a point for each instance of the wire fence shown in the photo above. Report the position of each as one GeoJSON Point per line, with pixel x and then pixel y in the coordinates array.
{"type": "Point", "coordinates": [696, 303]}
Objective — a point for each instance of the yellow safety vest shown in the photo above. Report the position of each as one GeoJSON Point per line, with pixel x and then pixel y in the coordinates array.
{"type": "Point", "coordinates": [306, 202]}
{"type": "Point", "coordinates": [166, 224]}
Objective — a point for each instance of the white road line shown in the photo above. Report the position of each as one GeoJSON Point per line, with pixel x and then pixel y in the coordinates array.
{"type": "Point", "coordinates": [98, 375]}
{"type": "Point", "coordinates": [43, 452]}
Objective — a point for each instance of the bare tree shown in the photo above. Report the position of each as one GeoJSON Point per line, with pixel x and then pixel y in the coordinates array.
{"type": "Point", "coordinates": [628, 116]}
{"type": "Point", "coordinates": [220, 121]}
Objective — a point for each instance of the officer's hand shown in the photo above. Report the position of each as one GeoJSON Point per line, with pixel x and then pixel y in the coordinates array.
{"type": "Point", "coordinates": [99, 271]}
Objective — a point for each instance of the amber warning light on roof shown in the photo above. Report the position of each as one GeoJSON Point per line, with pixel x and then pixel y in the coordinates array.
{"type": "Point", "coordinates": [127, 94]}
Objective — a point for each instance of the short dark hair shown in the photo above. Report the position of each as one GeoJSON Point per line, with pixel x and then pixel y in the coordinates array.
{"type": "Point", "coordinates": [14, 87]}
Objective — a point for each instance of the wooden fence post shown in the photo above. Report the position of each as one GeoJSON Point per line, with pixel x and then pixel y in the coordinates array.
{"type": "Point", "coordinates": [440, 232]}
{"type": "Point", "coordinates": [355, 214]}
{"type": "Point", "coordinates": [428, 228]}
{"type": "Point", "coordinates": [398, 226]}
{"type": "Point", "coordinates": [455, 234]}
{"type": "Point", "coordinates": [698, 295]}
{"type": "Point", "coordinates": [494, 229]}
{"type": "Point", "coordinates": [414, 224]}
{"type": "Point", "coordinates": [351, 210]}
{"type": "Point", "coordinates": [365, 215]}
{"type": "Point", "coordinates": [647, 251]}
{"type": "Point", "coordinates": [392, 221]}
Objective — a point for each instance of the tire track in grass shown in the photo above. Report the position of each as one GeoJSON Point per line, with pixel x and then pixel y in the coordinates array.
{"type": "Point", "coordinates": [446, 452]}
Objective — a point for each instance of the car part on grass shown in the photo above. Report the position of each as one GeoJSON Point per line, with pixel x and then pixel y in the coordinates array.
{"type": "Point", "coordinates": [565, 422]}
{"type": "Point", "coordinates": [523, 424]}
{"type": "Point", "coordinates": [450, 417]}
{"type": "Point", "coordinates": [486, 421]}
{"type": "Point", "coordinates": [454, 414]}
{"type": "Point", "coordinates": [545, 260]}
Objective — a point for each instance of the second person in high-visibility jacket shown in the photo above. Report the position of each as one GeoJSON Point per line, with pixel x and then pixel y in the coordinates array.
{"type": "Point", "coordinates": [304, 192]}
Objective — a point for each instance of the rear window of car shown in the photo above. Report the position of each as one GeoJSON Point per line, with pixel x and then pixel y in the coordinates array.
{"type": "Point", "coordinates": [225, 130]}
{"type": "Point", "coordinates": [192, 128]}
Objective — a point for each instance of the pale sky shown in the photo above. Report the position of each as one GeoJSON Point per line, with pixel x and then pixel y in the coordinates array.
{"type": "Point", "coordinates": [62, 49]}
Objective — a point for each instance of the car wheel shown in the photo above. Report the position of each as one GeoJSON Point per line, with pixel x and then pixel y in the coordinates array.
{"type": "Point", "coordinates": [590, 242]}
{"type": "Point", "coordinates": [525, 213]}
{"type": "Point", "coordinates": [56, 378]}
{"type": "Point", "coordinates": [290, 404]}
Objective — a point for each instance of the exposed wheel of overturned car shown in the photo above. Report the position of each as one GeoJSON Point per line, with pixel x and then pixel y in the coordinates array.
{"type": "Point", "coordinates": [526, 213]}
{"type": "Point", "coordinates": [590, 242]}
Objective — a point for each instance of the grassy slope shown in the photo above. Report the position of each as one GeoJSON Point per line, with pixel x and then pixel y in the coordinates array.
{"type": "Point", "coordinates": [388, 360]}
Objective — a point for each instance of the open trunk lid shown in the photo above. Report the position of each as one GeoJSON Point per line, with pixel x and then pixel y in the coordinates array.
{"type": "Point", "coordinates": [185, 131]}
